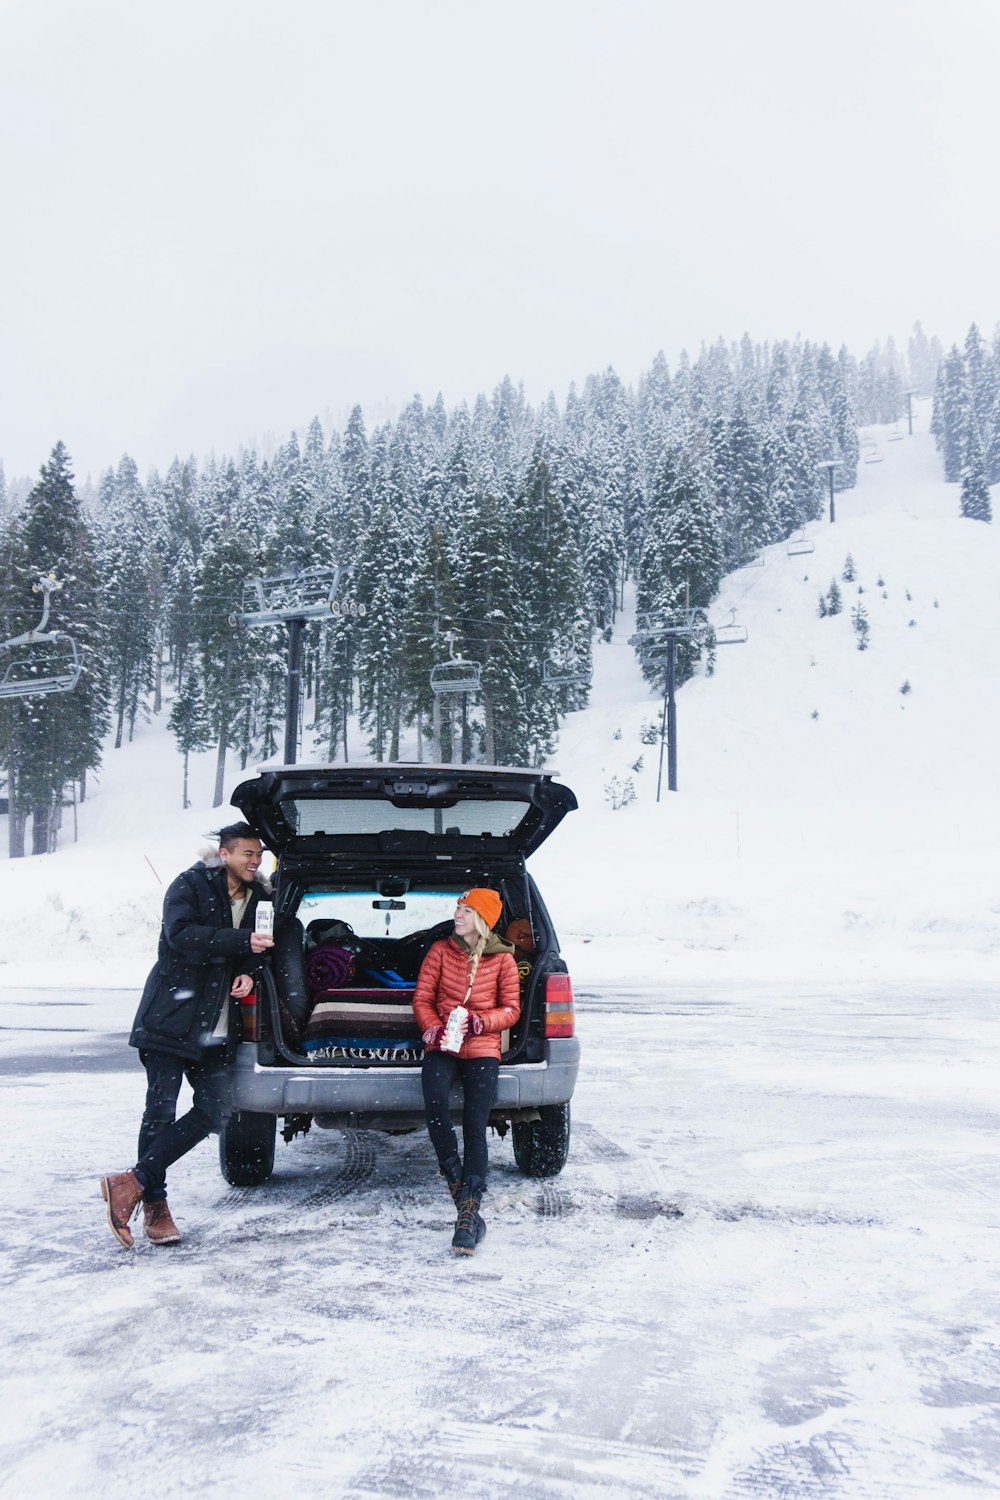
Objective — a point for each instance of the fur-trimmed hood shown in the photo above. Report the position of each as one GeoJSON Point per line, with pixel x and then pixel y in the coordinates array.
{"type": "Point", "coordinates": [208, 856]}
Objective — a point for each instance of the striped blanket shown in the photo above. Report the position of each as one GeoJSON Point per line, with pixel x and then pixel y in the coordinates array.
{"type": "Point", "coordinates": [366, 1025]}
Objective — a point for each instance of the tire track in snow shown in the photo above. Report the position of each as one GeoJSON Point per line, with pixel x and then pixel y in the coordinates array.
{"type": "Point", "coordinates": [486, 1460]}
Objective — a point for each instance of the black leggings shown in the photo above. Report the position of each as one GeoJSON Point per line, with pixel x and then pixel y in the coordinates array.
{"type": "Point", "coordinates": [162, 1138]}
{"type": "Point", "coordinates": [479, 1089]}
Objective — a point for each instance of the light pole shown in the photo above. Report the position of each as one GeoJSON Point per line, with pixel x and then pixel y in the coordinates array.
{"type": "Point", "coordinates": [830, 464]}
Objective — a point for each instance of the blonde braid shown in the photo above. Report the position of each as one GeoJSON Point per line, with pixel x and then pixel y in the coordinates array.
{"type": "Point", "coordinates": [476, 948]}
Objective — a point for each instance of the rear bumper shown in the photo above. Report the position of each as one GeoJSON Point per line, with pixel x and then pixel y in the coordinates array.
{"type": "Point", "coordinates": [390, 1093]}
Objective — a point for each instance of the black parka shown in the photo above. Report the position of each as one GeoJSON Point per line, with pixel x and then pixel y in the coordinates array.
{"type": "Point", "coordinates": [200, 954]}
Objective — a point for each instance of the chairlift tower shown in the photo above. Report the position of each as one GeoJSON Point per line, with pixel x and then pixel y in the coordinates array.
{"type": "Point", "coordinates": [657, 643]}
{"type": "Point", "coordinates": [830, 464]}
{"type": "Point", "coordinates": [293, 598]}
{"type": "Point", "coordinates": [909, 394]}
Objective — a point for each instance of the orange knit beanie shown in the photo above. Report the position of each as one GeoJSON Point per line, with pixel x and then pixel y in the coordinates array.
{"type": "Point", "coordinates": [484, 901]}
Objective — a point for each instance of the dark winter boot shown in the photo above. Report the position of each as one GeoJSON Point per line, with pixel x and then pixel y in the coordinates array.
{"type": "Point", "coordinates": [451, 1171]}
{"type": "Point", "coordinates": [469, 1226]}
{"type": "Point", "coordinates": [122, 1192]}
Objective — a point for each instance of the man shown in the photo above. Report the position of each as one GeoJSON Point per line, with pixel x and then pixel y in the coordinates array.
{"type": "Point", "coordinates": [208, 951]}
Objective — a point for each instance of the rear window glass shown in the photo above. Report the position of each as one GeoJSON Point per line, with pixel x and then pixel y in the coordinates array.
{"type": "Point", "coordinates": [373, 915]}
{"type": "Point", "coordinates": [350, 815]}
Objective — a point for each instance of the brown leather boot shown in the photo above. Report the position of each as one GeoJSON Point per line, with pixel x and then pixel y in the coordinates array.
{"type": "Point", "coordinates": [159, 1224]}
{"type": "Point", "coordinates": [122, 1192]}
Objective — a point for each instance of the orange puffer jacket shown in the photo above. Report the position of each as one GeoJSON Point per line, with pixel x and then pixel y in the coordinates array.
{"type": "Point", "coordinates": [496, 994]}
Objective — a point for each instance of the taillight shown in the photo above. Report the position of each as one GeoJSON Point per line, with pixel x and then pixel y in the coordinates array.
{"type": "Point", "coordinates": [559, 1013]}
{"type": "Point", "coordinates": [248, 1017]}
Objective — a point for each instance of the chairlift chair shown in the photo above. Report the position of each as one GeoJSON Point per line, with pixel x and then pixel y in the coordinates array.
{"type": "Point", "coordinates": [39, 661]}
{"type": "Point", "coordinates": [800, 545]}
{"type": "Point", "coordinates": [556, 676]}
{"type": "Point", "coordinates": [456, 675]}
{"type": "Point", "coordinates": [729, 633]}
{"type": "Point", "coordinates": [655, 655]}
{"type": "Point", "coordinates": [897, 434]}
{"type": "Point", "coordinates": [874, 457]}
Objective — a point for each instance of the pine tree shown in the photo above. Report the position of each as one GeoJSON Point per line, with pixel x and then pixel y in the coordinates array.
{"type": "Point", "coordinates": [380, 582]}
{"type": "Point", "coordinates": [553, 595]}
{"type": "Point", "coordinates": [189, 723]}
{"type": "Point", "coordinates": [53, 740]}
{"type": "Point", "coordinates": [180, 610]}
{"type": "Point", "coordinates": [752, 522]}
{"type": "Point", "coordinates": [975, 502]}
{"type": "Point", "coordinates": [923, 362]}
{"type": "Point", "coordinates": [126, 569]}
{"type": "Point", "coordinates": [431, 623]}
{"type": "Point", "coordinates": [956, 410]}
{"type": "Point", "coordinates": [356, 478]}
{"type": "Point", "coordinates": [991, 437]}
{"type": "Point", "coordinates": [862, 629]}
{"type": "Point", "coordinates": [495, 631]}
{"type": "Point", "coordinates": [231, 654]}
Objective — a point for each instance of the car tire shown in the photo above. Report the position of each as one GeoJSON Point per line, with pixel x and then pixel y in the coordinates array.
{"type": "Point", "coordinates": [542, 1146]}
{"type": "Point", "coordinates": [246, 1148]}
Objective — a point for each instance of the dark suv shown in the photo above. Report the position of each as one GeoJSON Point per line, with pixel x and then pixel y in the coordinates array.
{"type": "Point", "coordinates": [371, 860]}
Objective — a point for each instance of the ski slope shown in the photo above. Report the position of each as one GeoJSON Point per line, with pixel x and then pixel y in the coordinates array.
{"type": "Point", "coordinates": [824, 822]}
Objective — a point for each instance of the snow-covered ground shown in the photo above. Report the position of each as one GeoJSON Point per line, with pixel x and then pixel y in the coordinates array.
{"type": "Point", "coordinates": [768, 1270]}
{"type": "Point", "coordinates": [787, 974]}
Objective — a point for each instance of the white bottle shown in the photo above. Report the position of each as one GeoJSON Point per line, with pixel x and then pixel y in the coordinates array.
{"type": "Point", "coordinates": [265, 917]}
{"type": "Point", "coordinates": [452, 1040]}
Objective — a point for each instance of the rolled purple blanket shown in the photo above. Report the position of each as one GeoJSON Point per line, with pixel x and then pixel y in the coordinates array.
{"type": "Point", "coordinates": [328, 967]}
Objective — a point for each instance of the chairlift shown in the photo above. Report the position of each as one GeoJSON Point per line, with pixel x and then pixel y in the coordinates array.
{"type": "Point", "coordinates": [752, 560]}
{"type": "Point", "coordinates": [40, 661]}
{"type": "Point", "coordinates": [556, 676]}
{"type": "Point", "coordinates": [800, 545]}
{"type": "Point", "coordinates": [729, 633]}
{"type": "Point", "coordinates": [296, 594]}
{"type": "Point", "coordinates": [897, 434]}
{"type": "Point", "coordinates": [654, 655]}
{"type": "Point", "coordinates": [874, 457]}
{"type": "Point", "coordinates": [456, 675]}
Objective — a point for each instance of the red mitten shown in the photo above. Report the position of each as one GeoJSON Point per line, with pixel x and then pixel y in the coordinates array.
{"type": "Point", "coordinates": [476, 1026]}
{"type": "Point", "coordinates": [432, 1038]}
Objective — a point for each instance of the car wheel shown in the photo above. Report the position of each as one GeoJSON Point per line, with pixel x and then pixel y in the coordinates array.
{"type": "Point", "coordinates": [542, 1146]}
{"type": "Point", "coordinates": [246, 1148]}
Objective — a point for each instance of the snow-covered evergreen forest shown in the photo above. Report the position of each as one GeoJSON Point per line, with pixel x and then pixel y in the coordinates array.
{"type": "Point", "coordinates": [501, 534]}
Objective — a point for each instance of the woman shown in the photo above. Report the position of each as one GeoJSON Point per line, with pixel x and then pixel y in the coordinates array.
{"type": "Point", "coordinates": [475, 969]}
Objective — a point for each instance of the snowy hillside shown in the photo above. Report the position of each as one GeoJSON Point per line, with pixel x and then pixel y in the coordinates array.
{"type": "Point", "coordinates": [827, 823]}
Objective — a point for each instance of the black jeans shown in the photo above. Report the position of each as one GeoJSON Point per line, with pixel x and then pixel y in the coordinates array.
{"type": "Point", "coordinates": [162, 1138]}
{"type": "Point", "coordinates": [479, 1089]}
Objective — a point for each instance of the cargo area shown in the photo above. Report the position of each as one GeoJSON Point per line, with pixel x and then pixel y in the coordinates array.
{"type": "Point", "coordinates": [338, 991]}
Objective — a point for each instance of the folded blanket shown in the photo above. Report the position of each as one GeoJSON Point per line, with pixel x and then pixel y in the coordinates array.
{"type": "Point", "coordinates": [362, 1018]}
{"type": "Point", "coordinates": [329, 966]}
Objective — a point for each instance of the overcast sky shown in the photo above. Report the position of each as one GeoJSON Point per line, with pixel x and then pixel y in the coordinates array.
{"type": "Point", "coordinates": [222, 217]}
